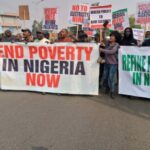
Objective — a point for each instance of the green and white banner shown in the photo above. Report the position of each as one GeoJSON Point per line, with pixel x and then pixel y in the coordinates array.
{"type": "Point", "coordinates": [134, 71]}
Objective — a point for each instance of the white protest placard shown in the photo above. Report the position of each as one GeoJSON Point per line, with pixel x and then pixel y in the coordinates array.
{"type": "Point", "coordinates": [50, 18]}
{"type": "Point", "coordinates": [138, 34]}
{"type": "Point", "coordinates": [143, 13]}
{"type": "Point", "coordinates": [120, 19]}
{"type": "Point", "coordinates": [79, 14]}
{"type": "Point", "coordinates": [99, 14]}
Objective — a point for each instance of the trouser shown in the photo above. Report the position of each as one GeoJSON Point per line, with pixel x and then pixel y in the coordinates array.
{"type": "Point", "coordinates": [110, 71]}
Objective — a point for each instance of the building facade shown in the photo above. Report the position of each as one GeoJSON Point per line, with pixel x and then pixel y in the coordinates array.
{"type": "Point", "coordinates": [10, 21]}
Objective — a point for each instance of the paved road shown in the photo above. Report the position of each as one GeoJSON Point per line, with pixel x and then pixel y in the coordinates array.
{"type": "Point", "coordinates": [32, 121]}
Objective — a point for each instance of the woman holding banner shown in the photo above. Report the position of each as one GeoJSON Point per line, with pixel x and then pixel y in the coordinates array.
{"type": "Point", "coordinates": [111, 65]}
{"type": "Point", "coordinates": [128, 39]}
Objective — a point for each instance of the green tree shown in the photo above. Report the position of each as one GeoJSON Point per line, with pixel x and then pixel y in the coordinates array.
{"type": "Point", "coordinates": [132, 23]}
{"type": "Point", "coordinates": [36, 26]}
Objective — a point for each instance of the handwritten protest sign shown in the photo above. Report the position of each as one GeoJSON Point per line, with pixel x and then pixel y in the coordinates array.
{"type": "Point", "coordinates": [50, 18]}
{"type": "Point", "coordinates": [120, 19]}
{"type": "Point", "coordinates": [99, 14]}
{"type": "Point", "coordinates": [138, 34]}
{"type": "Point", "coordinates": [79, 14]}
{"type": "Point", "coordinates": [89, 31]}
{"type": "Point", "coordinates": [143, 13]}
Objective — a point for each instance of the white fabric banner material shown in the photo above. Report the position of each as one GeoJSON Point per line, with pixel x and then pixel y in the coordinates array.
{"type": "Point", "coordinates": [57, 68]}
{"type": "Point", "coordinates": [134, 71]}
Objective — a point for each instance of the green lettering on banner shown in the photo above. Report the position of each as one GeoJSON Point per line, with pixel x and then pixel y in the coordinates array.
{"type": "Point", "coordinates": [137, 78]}
{"type": "Point", "coordinates": [143, 63]}
{"type": "Point", "coordinates": [124, 62]}
{"type": "Point", "coordinates": [138, 61]}
{"type": "Point", "coordinates": [148, 69]}
{"type": "Point", "coordinates": [133, 62]}
{"type": "Point", "coordinates": [128, 62]}
{"type": "Point", "coordinates": [146, 79]}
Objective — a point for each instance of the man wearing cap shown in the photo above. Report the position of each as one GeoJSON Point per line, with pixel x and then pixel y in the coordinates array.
{"type": "Point", "coordinates": [27, 35]}
{"type": "Point", "coordinates": [41, 38]}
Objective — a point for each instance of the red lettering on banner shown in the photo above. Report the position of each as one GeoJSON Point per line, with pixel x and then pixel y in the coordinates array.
{"type": "Point", "coordinates": [11, 51]}
{"type": "Point", "coordinates": [52, 52]}
{"type": "Point", "coordinates": [1, 52]}
{"type": "Point", "coordinates": [42, 80]}
{"type": "Point", "coordinates": [43, 53]}
{"type": "Point", "coordinates": [53, 80]}
{"type": "Point", "coordinates": [61, 53]}
{"type": "Point", "coordinates": [79, 49]}
{"type": "Point", "coordinates": [70, 53]}
{"type": "Point", "coordinates": [32, 51]}
{"type": "Point", "coordinates": [19, 51]}
{"type": "Point", "coordinates": [88, 51]}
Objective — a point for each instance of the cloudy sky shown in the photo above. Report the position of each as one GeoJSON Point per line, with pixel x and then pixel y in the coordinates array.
{"type": "Point", "coordinates": [36, 7]}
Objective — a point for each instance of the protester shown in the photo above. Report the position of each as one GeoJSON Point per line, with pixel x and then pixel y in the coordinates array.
{"type": "Point", "coordinates": [147, 39]}
{"type": "Point", "coordinates": [41, 38]}
{"type": "Point", "coordinates": [82, 36]}
{"type": "Point", "coordinates": [128, 39]}
{"type": "Point", "coordinates": [101, 59]}
{"type": "Point", "coordinates": [7, 37]}
{"type": "Point", "coordinates": [63, 36]}
{"type": "Point", "coordinates": [111, 58]}
{"type": "Point", "coordinates": [27, 35]}
{"type": "Point", "coordinates": [18, 38]}
{"type": "Point", "coordinates": [105, 32]}
{"type": "Point", "coordinates": [46, 35]}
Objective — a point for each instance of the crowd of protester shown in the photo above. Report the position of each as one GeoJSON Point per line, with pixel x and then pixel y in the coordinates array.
{"type": "Point", "coordinates": [108, 48]}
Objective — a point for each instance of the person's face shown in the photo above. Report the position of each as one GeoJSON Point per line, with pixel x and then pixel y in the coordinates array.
{"type": "Point", "coordinates": [63, 33]}
{"type": "Point", "coordinates": [147, 35]}
{"type": "Point", "coordinates": [128, 32]}
{"type": "Point", "coordinates": [112, 38]}
{"type": "Point", "coordinates": [26, 34]}
{"type": "Point", "coordinates": [8, 33]}
{"type": "Point", "coordinates": [97, 39]}
{"type": "Point", "coordinates": [18, 37]}
{"type": "Point", "coordinates": [40, 36]}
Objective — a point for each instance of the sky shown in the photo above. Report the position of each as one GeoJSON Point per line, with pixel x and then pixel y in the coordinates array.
{"type": "Point", "coordinates": [36, 7]}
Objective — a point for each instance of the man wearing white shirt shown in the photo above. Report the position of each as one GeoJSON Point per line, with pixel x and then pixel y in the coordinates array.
{"type": "Point", "coordinates": [41, 38]}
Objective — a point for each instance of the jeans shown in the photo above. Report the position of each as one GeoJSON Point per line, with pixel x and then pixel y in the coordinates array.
{"type": "Point", "coordinates": [110, 71]}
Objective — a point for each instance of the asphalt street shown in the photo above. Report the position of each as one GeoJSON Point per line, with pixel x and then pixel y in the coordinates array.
{"type": "Point", "coordinates": [33, 121]}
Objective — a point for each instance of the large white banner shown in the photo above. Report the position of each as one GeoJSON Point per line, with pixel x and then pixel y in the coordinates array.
{"type": "Point", "coordinates": [134, 71]}
{"type": "Point", "coordinates": [57, 68]}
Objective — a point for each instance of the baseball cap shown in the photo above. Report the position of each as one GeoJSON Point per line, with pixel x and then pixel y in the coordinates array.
{"type": "Point", "coordinates": [40, 31]}
{"type": "Point", "coordinates": [28, 30]}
